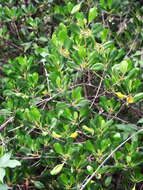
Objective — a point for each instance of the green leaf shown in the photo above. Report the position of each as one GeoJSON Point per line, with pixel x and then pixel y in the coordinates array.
{"type": "Point", "coordinates": [102, 3]}
{"type": "Point", "coordinates": [110, 3]}
{"type": "Point", "coordinates": [90, 169]}
{"type": "Point", "coordinates": [97, 67]}
{"type": "Point", "coordinates": [89, 146]}
{"type": "Point", "coordinates": [82, 51]}
{"type": "Point", "coordinates": [38, 184]}
{"type": "Point", "coordinates": [117, 136]}
{"type": "Point", "coordinates": [57, 169]}
{"type": "Point", "coordinates": [34, 114]}
{"type": "Point", "coordinates": [124, 66]}
{"type": "Point", "coordinates": [64, 178]}
{"type": "Point", "coordinates": [62, 35]}
{"type": "Point", "coordinates": [35, 77]}
{"type": "Point", "coordinates": [105, 143]}
{"type": "Point", "coordinates": [127, 127]}
{"type": "Point", "coordinates": [134, 72]}
{"type": "Point", "coordinates": [138, 97]}
{"type": "Point", "coordinates": [43, 39]}
{"type": "Point", "coordinates": [2, 174]}
{"type": "Point", "coordinates": [108, 181]}
{"type": "Point", "coordinates": [58, 148]}
{"type": "Point", "coordinates": [92, 14]}
{"type": "Point", "coordinates": [104, 34]}
{"type": "Point", "coordinates": [76, 93]}
{"type": "Point", "coordinates": [76, 8]}
{"type": "Point", "coordinates": [140, 120]}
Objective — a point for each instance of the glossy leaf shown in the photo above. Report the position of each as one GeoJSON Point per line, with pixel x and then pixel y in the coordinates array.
{"type": "Point", "coordinates": [57, 169]}
{"type": "Point", "coordinates": [92, 14]}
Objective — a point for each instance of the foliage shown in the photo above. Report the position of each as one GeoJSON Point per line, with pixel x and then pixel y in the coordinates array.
{"type": "Point", "coordinates": [4, 163]}
{"type": "Point", "coordinates": [70, 93]}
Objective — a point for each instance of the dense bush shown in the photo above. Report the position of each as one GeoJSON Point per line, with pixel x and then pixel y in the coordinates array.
{"type": "Point", "coordinates": [71, 94]}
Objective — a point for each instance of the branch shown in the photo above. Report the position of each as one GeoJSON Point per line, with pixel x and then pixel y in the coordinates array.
{"type": "Point", "coordinates": [5, 123]}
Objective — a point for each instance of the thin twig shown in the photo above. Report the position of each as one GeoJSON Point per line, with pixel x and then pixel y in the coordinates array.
{"type": "Point", "coordinates": [114, 117]}
{"type": "Point", "coordinates": [33, 157]}
{"type": "Point", "coordinates": [46, 74]}
{"type": "Point", "coordinates": [132, 45]}
{"type": "Point", "coordinates": [5, 123]}
{"type": "Point", "coordinates": [97, 92]}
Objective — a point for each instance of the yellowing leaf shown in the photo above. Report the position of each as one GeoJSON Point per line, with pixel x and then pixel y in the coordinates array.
{"type": "Point", "coordinates": [55, 135]}
{"type": "Point", "coordinates": [130, 99]}
{"type": "Point", "coordinates": [74, 135]}
{"type": "Point", "coordinates": [90, 130]}
{"type": "Point", "coordinates": [45, 92]}
{"type": "Point", "coordinates": [120, 95]}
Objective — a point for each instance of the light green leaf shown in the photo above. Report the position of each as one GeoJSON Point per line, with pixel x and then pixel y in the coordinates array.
{"type": "Point", "coordinates": [134, 72]}
{"type": "Point", "coordinates": [57, 169]}
{"type": "Point", "coordinates": [124, 66]}
{"type": "Point", "coordinates": [5, 112]}
{"type": "Point", "coordinates": [127, 127]}
{"type": "Point", "coordinates": [82, 51]}
{"type": "Point", "coordinates": [3, 187]}
{"type": "Point", "coordinates": [110, 3]}
{"type": "Point", "coordinates": [76, 8]}
{"type": "Point", "coordinates": [43, 39]}
{"type": "Point", "coordinates": [4, 159]}
{"type": "Point", "coordinates": [76, 93]}
{"type": "Point", "coordinates": [117, 136]}
{"type": "Point", "coordinates": [97, 67]}
{"type": "Point", "coordinates": [108, 181]}
{"type": "Point", "coordinates": [89, 146]}
{"type": "Point", "coordinates": [35, 77]}
{"type": "Point", "coordinates": [138, 97]}
{"type": "Point", "coordinates": [38, 184]}
{"type": "Point", "coordinates": [2, 174]}
{"type": "Point", "coordinates": [102, 3]}
{"type": "Point", "coordinates": [92, 14]}
{"type": "Point", "coordinates": [141, 120]}
{"type": "Point", "coordinates": [90, 169]}
{"type": "Point", "coordinates": [11, 164]}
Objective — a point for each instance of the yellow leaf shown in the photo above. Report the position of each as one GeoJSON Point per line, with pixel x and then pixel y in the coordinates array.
{"type": "Point", "coordinates": [74, 135]}
{"type": "Point", "coordinates": [55, 135]}
{"type": "Point", "coordinates": [45, 92]}
{"type": "Point", "coordinates": [130, 99]}
{"type": "Point", "coordinates": [120, 95]}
